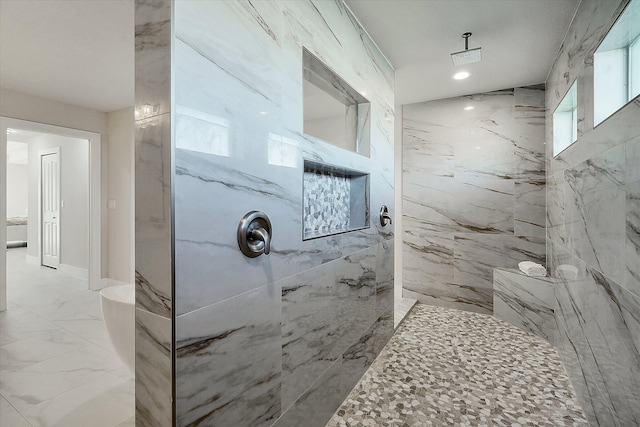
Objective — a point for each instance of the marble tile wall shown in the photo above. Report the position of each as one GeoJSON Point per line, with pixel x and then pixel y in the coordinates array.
{"type": "Point", "coordinates": [153, 278]}
{"type": "Point", "coordinates": [473, 193]}
{"type": "Point", "coordinates": [593, 226]}
{"type": "Point", "coordinates": [525, 302]}
{"type": "Point", "coordinates": [273, 339]}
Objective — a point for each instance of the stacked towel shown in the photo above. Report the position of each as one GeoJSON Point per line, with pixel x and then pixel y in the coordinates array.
{"type": "Point", "coordinates": [532, 269]}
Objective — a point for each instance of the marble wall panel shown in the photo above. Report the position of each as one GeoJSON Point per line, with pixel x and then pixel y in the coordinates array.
{"type": "Point", "coordinates": [529, 116]}
{"type": "Point", "coordinates": [318, 402]}
{"type": "Point", "coordinates": [152, 57]}
{"type": "Point", "coordinates": [596, 407]}
{"type": "Point", "coordinates": [525, 302]}
{"type": "Point", "coordinates": [599, 315]}
{"type": "Point", "coordinates": [153, 215]}
{"type": "Point", "coordinates": [555, 211]}
{"type": "Point", "coordinates": [384, 277]}
{"type": "Point", "coordinates": [153, 222]}
{"type": "Point", "coordinates": [153, 370]}
{"type": "Point", "coordinates": [310, 328]}
{"type": "Point", "coordinates": [595, 210]}
{"type": "Point", "coordinates": [632, 251]}
{"type": "Point", "coordinates": [228, 361]}
{"type": "Point", "coordinates": [476, 255]}
{"type": "Point", "coordinates": [248, 347]}
{"type": "Point", "coordinates": [357, 358]}
{"type": "Point", "coordinates": [451, 295]}
{"type": "Point", "coordinates": [473, 193]}
{"type": "Point", "coordinates": [427, 257]}
{"type": "Point", "coordinates": [316, 304]}
{"type": "Point", "coordinates": [530, 207]}
{"type": "Point", "coordinates": [483, 205]}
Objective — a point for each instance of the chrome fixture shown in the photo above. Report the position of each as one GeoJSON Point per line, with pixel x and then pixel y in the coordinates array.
{"type": "Point", "coordinates": [385, 218]}
{"type": "Point", "coordinates": [254, 234]}
{"type": "Point", "coordinates": [466, 56]}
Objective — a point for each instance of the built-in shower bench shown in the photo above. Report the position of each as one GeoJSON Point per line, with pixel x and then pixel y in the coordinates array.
{"type": "Point", "coordinates": [525, 302]}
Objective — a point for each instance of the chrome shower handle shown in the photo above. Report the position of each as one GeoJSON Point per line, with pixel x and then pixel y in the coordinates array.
{"type": "Point", "coordinates": [254, 234]}
{"type": "Point", "coordinates": [385, 217]}
{"type": "Point", "coordinates": [260, 234]}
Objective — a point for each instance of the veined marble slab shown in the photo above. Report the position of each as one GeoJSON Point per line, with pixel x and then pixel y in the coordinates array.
{"type": "Point", "coordinates": [154, 355]}
{"type": "Point", "coordinates": [316, 305]}
{"type": "Point", "coordinates": [473, 193]}
{"type": "Point", "coordinates": [595, 211]}
{"type": "Point", "coordinates": [591, 213]}
{"type": "Point", "coordinates": [239, 146]}
{"type": "Point", "coordinates": [228, 361]}
{"type": "Point", "coordinates": [525, 302]}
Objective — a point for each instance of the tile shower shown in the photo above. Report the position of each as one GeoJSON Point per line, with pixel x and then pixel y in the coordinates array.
{"type": "Point", "coordinates": [468, 210]}
{"type": "Point", "coordinates": [473, 193]}
{"type": "Point", "coordinates": [277, 339]}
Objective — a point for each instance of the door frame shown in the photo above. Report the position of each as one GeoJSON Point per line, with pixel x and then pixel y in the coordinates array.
{"type": "Point", "coordinates": [41, 153]}
{"type": "Point", "coordinates": [95, 196]}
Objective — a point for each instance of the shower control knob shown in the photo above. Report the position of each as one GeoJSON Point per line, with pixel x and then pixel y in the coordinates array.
{"type": "Point", "coordinates": [385, 218]}
{"type": "Point", "coordinates": [254, 234]}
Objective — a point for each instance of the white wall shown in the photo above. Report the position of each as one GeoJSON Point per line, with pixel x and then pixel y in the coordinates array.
{"type": "Point", "coordinates": [17, 201]}
{"type": "Point", "coordinates": [74, 193]}
{"type": "Point", "coordinates": [121, 228]}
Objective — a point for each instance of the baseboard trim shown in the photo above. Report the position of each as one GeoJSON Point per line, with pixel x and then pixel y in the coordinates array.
{"type": "Point", "coordinates": [32, 259]}
{"type": "Point", "coordinates": [77, 272]}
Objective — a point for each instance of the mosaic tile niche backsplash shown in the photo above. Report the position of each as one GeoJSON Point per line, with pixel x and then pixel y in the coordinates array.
{"type": "Point", "coordinates": [335, 201]}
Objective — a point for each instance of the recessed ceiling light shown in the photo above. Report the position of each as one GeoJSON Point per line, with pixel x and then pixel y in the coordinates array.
{"type": "Point", "coordinates": [264, 113]}
{"type": "Point", "coordinates": [470, 107]}
{"type": "Point", "coordinates": [461, 75]}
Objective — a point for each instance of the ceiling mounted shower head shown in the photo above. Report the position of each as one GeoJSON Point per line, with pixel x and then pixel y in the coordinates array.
{"type": "Point", "coordinates": [466, 56]}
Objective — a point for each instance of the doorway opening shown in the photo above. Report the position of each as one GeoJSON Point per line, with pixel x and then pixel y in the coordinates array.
{"type": "Point", "coordinates": [71, 241]}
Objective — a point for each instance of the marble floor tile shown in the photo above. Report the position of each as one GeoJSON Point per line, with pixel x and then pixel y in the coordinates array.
{"type": "Point", "coordinates": [476, 370]}
{"type": "Point", "coordinates": [23, 353]}
{"type": "Point", "coordinates": [9, 417]}
{"type": "Point", "coordinates": [106, 401]}
{"type": "Point", "coordinates": [17, 324]}
{"type": "Point", "coordinates": [41, 381]}
{"type": "Point", "coordinates": [57, 366]}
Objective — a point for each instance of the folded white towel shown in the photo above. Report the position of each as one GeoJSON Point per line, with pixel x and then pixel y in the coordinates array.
{"type": "Point", "coordinates": [567, 271]}
{"type": "Point", "coordinates": [532, 269]}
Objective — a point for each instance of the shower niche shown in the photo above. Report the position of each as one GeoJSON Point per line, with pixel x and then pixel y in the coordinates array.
{"type": "Point", "coordinates": [333, 111]}
{"type": "Point", "coordinates": [335, 200]}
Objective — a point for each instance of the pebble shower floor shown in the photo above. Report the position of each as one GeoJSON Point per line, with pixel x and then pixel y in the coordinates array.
{"type": "Point", "coordinates": [446, 367]}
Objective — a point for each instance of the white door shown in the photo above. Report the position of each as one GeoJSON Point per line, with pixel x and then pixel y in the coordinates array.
{"type": "Point", "coordinates": [50, 202]}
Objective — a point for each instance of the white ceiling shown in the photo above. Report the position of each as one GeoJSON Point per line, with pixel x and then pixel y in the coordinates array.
{"type": "Point", "coordinates": [520, 39]}
{"type": "Point", "coordinates": [81, 51]}
{"type": "Point", "coordinates": [75, 51]}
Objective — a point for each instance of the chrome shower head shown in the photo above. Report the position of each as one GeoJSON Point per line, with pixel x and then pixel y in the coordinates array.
{"type": "Point", "coordinates": [466, 56]}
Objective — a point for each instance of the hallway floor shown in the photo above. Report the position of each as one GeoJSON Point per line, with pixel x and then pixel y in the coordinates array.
{"type": "Point", "coordinates": [447, 367]}
{"type": "Point", "coordinates": [57, 366]}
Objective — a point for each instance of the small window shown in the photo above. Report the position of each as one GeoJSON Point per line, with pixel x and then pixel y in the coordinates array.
{"type": "Point", "coordinates": [565, 121]}
{"type": "Point", "coordinates": [616, 65]}
{"type": "Point", "coordinates": [333, 111]}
